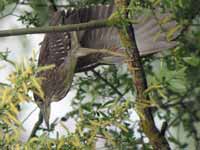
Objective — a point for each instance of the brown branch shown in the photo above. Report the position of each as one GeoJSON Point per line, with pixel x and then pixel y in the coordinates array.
{"type": "Point", "coordinates": [62, 28]}
{"type": "Point", "coordinates": [44, 5]}
{"type": "Point", "coordinates": [36, 126]}
{"type": "Point", "coordinates": [157, 140]}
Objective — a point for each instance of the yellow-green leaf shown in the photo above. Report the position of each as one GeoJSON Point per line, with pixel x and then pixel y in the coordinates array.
{"type": "Point", "coordinates": [36, 84]}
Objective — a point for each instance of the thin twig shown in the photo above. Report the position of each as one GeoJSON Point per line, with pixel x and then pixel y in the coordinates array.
{"type": "Point", "coordinates": [108, 83]}
{"type": "Point", "coordinates": [29, 115]}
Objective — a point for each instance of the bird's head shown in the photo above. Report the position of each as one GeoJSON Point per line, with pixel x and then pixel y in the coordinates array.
{"type": "Point", "coordinates": [45, 109]}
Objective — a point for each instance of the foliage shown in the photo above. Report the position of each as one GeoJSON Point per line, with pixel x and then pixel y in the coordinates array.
{"type": "Point", "coordinates": [104, 101]}
{"type": "Point", "coordinates": [40, 8]}
{"type": "Point", "coordinates": [21, 81]}
{"type": "Point", "coordinates": [4, 3]}
{"type": "Point", "coordinates": [29, 18]}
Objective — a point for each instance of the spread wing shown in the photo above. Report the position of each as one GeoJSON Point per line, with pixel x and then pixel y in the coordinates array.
{"type": "Point", "coordinates": [150, 33]}
{"type": "Point", "coordinates": [100, 38]}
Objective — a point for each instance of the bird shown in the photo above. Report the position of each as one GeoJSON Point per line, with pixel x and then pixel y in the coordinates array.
{"type": "Point", "coordinates": [80, 51]}
{"type": "Point", "coordinates": [57, 49]}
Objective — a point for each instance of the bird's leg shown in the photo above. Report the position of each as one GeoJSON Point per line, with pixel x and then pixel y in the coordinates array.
{"type": "Point", "coordinates": [88, 51]}
{"type": "Point", "coordinates": [108, 56]}
{"type": "Point", "coordinates": [114, 49]}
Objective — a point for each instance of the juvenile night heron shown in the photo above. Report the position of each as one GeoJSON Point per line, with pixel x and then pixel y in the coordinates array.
{"type": "Point", "coordinates": [73, 52]}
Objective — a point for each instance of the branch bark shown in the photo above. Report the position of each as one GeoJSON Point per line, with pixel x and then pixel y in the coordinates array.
{"type": "Point", "coordinates": [157, 140]}
{"type": "Point", "coordinates": [62, 28]}
{"type": "Point", "coordinates": [44, 5]}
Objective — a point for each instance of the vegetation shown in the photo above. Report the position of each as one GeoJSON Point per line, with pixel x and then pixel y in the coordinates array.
{"type": "Point", "coordinates": [104, 102]}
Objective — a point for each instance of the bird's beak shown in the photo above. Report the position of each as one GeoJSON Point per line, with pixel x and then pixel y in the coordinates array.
{"type": "Point", "coordinates": [46, 109]}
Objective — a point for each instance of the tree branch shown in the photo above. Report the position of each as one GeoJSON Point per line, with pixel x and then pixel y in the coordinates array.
{"type": "Point", "coordinates": [127, 37]}
{"type": "Point", "coordinates": [44, 5]}
{"type": "Point", "coordinates": [36, 126]}
{"type": "Point", "coordinates": [62, 28]}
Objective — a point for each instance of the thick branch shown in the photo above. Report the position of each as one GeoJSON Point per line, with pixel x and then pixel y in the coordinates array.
{"type": "Point", "coordinates": [44, 4]}
{"type": "Point", "coordinates": [127, 37]}
{"type": "Point", "coordinates": [62, 28]}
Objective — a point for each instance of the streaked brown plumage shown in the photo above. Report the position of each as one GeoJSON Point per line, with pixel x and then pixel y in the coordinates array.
{"type": "Point", "coordinates": [58, 49]}
{"type": "Point", "coordinates": [65, 49]}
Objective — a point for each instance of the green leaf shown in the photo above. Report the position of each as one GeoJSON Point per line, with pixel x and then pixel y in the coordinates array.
{"type": "Point", "coordinates": [177, 85]}
{"type": "Point", "coordinates": [193, 60]}
{"type": "Point", "coordinates": [108, 103]}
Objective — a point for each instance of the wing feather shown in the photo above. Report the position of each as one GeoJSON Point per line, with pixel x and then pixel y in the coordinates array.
{"type": "Point", "coordinates": [148, 27]}
{"type": "Point", "coordinates": [150, 32]}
